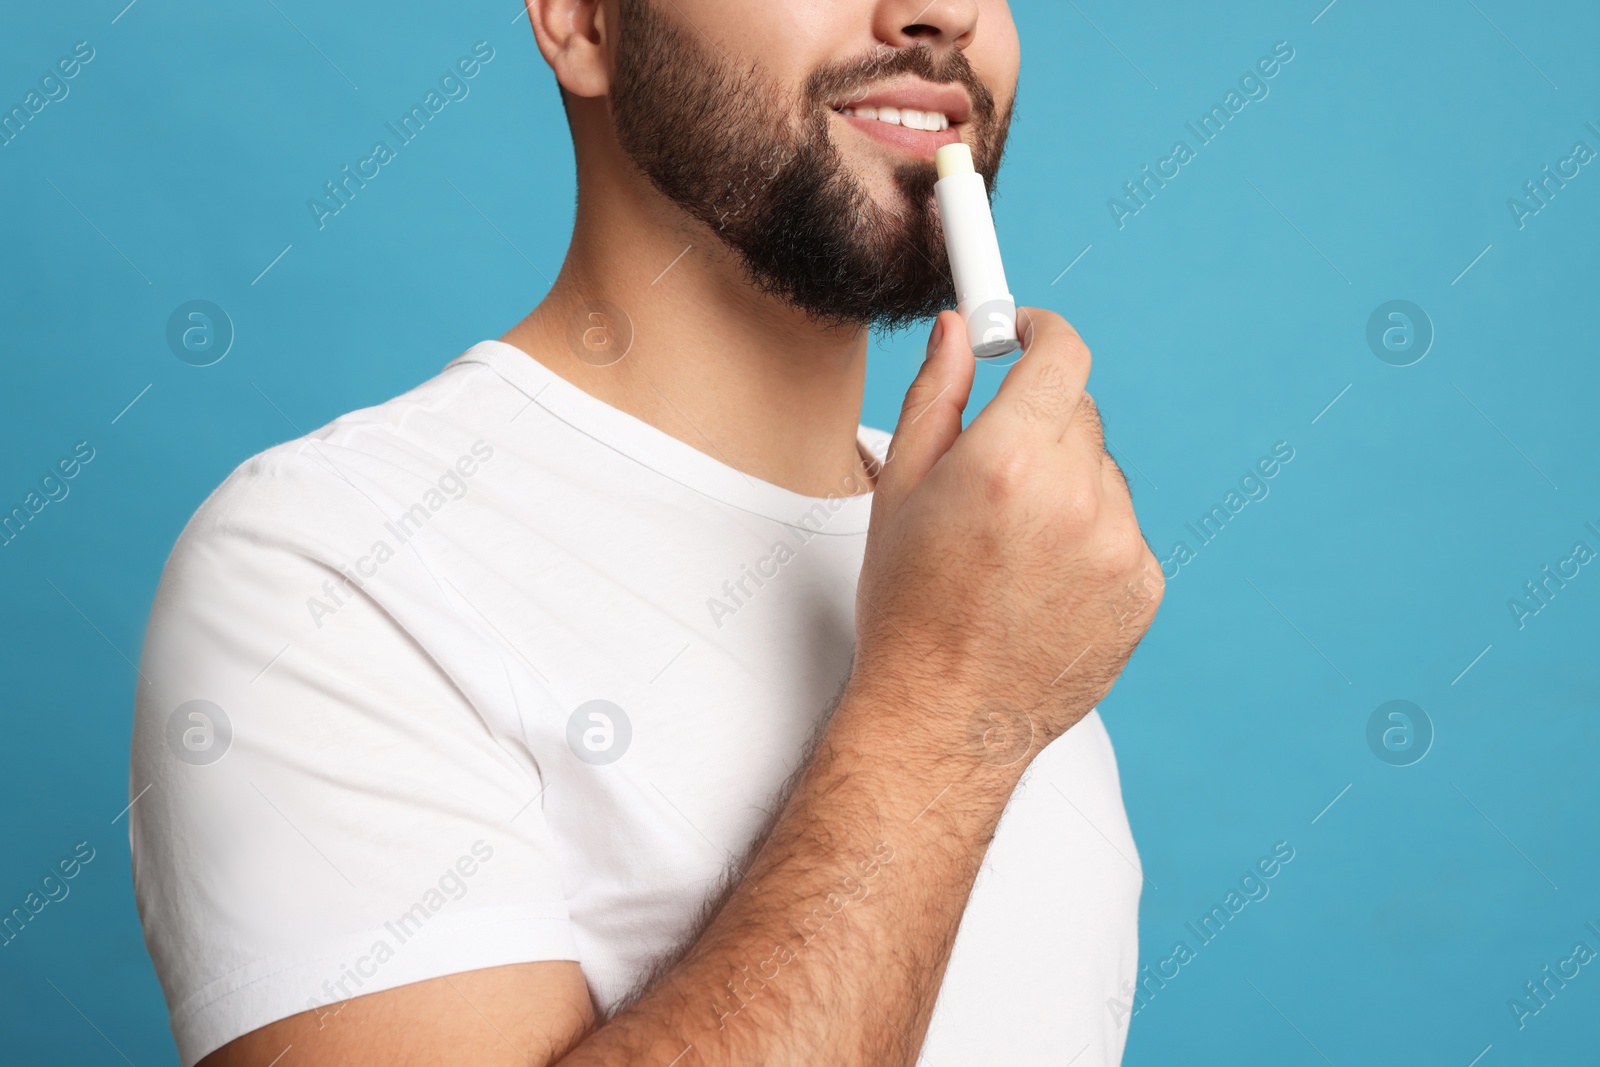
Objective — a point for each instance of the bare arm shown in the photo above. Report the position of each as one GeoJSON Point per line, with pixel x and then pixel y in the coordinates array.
{"type": "Point", "coordinates": [833, 946]}
{"type": "Point", "coordinates": [830, 949]}
{"type": "Point", "coordinates": [1006, 584]}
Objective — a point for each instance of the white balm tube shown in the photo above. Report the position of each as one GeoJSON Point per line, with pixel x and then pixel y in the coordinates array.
{"type": "Point", "coordinates": [982, 296]}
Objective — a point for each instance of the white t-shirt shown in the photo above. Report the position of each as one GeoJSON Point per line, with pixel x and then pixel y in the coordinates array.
{"type": "Point", "coordinates": [367, 751]}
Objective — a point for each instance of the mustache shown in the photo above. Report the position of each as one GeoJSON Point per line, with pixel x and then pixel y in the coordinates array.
{"type": "Point", "coordinates": [840, 79]}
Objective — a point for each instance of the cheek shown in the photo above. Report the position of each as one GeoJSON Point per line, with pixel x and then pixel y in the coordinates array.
{"type": "Point", "coordinates": [786, 42]}
{"type": "Point", "coordinates": [996, 50]}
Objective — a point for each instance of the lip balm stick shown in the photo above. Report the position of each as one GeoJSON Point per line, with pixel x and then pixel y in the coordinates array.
{"type": "Point", "coordinates": [983, 298]}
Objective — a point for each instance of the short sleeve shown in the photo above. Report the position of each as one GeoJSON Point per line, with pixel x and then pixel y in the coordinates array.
{"type": "Point", "coordinates": [320, 810]}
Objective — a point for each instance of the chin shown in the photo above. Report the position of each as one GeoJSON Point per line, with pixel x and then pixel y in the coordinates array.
{"type": "Point", "coordinates": [894, 184]}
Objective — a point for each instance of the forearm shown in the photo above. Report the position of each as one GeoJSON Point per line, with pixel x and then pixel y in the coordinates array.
{"type": "Point", "coordinates": [833, 945]}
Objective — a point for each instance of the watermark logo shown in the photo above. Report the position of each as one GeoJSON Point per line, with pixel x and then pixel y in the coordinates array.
{"type": "Point", "coordinates": [53, 87]}
{"type": "Point", "coordinates": [1400, 333]}
{"type": "Point", "coordinates": [600, 333]}
{"type": "Point", "coordinates": [1538, 192]}
{"type": "Point", "coordinates": [453, 86]}
{"type": "Point", "coordinates": [746, 984]}
{"type": "Point", "coordinates": [999, 733]}
{"type": "Point", "coordinates": [1399, 733]}
{"type": "Point", "coordinates": [599, 732]}
{"type": "Point", "coordinates": [1536, 995]}
{"type": "Point", "coordinates": [51, 889]}
{"type": "Point", "coordinates": [1253, 488]}
{"type": "Point", "coordinates": [1001, 335]}
{"type": "Point", "coordinates": [452, 484]}
{"type": "Point", "coordinates": [1252, 887]}
{"type": "Point", "coordinates": [200, 333]}
{"type": "Point", "coordinates": [446, 892]}
{"type": "Point", "coordinates": [199, 733]}
{"type": "Point", "coordinates": [1138, 193]}
{"type": "Point", "coordinates": [1537, 595]}
{"type": "Point", "coordinates": [53, 488]}
{"type": "Point", "coordinates": [1135, 597]}
{"type": "Point", "coordinates": [737, 592]}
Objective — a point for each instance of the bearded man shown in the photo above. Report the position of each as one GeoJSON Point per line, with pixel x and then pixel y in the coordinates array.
{"type": "Point", "coordinates": [615, 697]}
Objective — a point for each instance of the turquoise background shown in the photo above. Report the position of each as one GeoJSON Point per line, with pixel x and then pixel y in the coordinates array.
{"type": "Point", "coordinates": [1225, 317]}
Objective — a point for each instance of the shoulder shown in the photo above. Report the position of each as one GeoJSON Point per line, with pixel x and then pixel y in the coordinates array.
{"type": "Point", "coordinates": [363, 464]}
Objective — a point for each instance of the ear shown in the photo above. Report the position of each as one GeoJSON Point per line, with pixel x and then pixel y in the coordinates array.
{"type": "Point", "coordinates": [574, 38]}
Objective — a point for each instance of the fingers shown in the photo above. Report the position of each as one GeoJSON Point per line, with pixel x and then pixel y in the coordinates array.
{"type": "Point", "coordinates": [1043, 393]}
{"type": "Point", "coordinates": [930, 418]}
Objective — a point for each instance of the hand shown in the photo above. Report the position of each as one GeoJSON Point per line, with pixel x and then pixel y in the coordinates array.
{"type": "Point", "coordinates": [1005, 573]}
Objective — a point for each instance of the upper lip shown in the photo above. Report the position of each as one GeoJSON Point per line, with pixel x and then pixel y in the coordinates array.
{"type": "Point", "coordinates": [950, 100]}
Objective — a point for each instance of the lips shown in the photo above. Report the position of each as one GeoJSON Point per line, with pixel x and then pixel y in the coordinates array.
{"type": "Point", "coordinates": [917, 117]}
{"type": "Point", "coordinates": [922, 143]}
{"type": "Point", "coordinates": [950, 100]}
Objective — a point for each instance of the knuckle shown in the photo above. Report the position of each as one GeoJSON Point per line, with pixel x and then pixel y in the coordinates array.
{"type": "Point", "coordinates": [1146, 562]}
{"type": "Point", "coordinates": [1158, 589]}
{"type": "Point", "coordinates": [1079, 506]}
{"type": "Point", "coordinates": [1134, 552]}
{"type": "Point", "coordinates": [1150, 571]}
{"type": "Point", "coordinates": [1123, 550]}
{"type": "Point", "coordinates": [1004, 474]}
{"type": "Point", "coordinates": [1138, 591]}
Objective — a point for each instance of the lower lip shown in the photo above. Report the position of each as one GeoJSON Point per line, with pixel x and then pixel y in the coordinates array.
{"type": "Point", "coordinates": [916, 142]}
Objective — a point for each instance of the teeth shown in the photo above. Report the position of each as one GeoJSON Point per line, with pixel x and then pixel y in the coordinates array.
{"type": "Point", "coordinates": [910, 118]}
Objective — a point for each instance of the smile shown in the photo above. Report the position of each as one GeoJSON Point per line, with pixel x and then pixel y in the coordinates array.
{"type": "Point", "coordinates": [910, 118]}
{"type": "Point", "coordinates": [916, 117]}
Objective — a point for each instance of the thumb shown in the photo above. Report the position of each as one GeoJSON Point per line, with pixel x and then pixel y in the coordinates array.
{"type": "Point", "coordinates": [930, 418]}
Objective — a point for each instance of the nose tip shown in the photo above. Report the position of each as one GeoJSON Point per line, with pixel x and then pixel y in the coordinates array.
{"type": "Point", "coordinates": [905, 23]}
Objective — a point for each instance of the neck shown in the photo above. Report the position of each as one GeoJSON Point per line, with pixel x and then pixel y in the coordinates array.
{"type": "Point", "coordinates": [732, 372]}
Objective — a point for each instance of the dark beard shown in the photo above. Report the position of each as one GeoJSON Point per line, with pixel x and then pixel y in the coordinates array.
{"type": "Point", "coordinates": [761, 170]}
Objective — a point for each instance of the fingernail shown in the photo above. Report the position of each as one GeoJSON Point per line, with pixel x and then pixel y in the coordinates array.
{"type": "Point", "coordinates": [935, 337]}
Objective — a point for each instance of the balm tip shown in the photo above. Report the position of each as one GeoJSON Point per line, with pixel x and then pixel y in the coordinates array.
{"type": "Point", "coordinates": [953, 159]}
